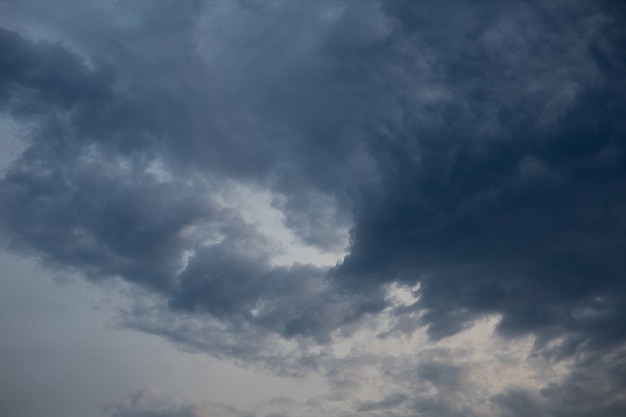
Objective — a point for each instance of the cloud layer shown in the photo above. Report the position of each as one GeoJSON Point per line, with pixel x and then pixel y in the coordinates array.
{"type": "Point", "coordinates": [474, 152]}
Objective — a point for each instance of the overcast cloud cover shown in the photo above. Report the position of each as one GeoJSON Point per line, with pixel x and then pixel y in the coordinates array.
{"type": "Point", "coordinates": [423, 203]}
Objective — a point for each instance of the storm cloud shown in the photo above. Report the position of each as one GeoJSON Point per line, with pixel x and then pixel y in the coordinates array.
{"type": "Point", "coordinates": [473, 155]}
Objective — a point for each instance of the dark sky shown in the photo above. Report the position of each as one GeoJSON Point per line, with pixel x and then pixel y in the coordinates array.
{"type": "Point", "coordinates": [421, 205]}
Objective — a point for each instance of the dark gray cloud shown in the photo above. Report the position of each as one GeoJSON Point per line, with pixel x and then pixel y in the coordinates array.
{"type": "Point", "coordinates": [505, 201]}
{"type": "Point", "coordinates": [474, 149]}
{"type": "Point", "coordinates": [96, 192]}
{"type": "Point", "coordinates": [594, 388]}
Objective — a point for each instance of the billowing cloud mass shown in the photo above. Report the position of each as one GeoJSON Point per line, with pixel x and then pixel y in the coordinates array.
{"type": "Point", "coordinates": [461, 164]}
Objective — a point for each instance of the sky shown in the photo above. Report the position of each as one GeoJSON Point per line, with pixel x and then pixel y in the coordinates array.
{"type": "Point", "coordinates": [295, 208]}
